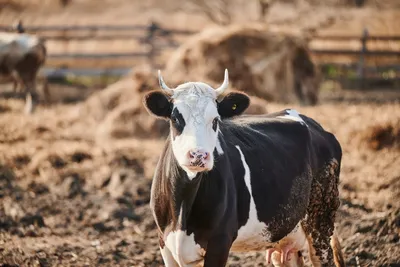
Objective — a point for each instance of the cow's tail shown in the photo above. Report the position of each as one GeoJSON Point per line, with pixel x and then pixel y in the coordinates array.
{"type": "Point", "coordinates": [337, 251]}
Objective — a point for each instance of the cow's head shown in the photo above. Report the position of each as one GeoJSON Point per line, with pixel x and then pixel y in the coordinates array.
{"type": "Point", "coordinates": [195, 115]}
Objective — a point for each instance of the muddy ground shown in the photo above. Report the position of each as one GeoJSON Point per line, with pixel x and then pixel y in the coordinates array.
{"type": "Point", "coordinates": [68, 199]}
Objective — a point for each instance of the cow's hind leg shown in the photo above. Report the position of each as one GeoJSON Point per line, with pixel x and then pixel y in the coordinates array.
{"type": "Point", "coordinates": [321, 212]}
{"type": "Point", "coordinates": [337, 251]}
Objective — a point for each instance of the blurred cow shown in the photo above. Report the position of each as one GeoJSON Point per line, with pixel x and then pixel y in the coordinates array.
{"type": "Point", "coordinates": [21, 57]}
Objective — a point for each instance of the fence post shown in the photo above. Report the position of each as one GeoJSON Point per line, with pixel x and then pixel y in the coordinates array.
{"type": "Point", "coordinates": [149, 39]}
{"type": "Point", "coordinates": [363, 51]}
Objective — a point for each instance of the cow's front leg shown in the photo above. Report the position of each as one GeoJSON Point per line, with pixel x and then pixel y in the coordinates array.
{"type": "Point", "coordinates": [168, 259]}
{"type": "Point", "coordinates": [218, 251]}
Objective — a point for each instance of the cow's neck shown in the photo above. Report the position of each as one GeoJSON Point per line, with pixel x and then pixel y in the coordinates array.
{"type": "Point", "coordinates": [183, 190]}
{"type": "Point", "coordinates": [185, 194]}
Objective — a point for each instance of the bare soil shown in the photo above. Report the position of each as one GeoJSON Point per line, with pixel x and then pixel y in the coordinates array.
{"type": "Point", "coordinates": [70, 198]}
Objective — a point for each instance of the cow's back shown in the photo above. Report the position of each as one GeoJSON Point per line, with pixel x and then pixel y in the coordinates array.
{"type": "Point", "coordinates": [14, 41]}
{"type": "Point", "coordinates": [325, 146]}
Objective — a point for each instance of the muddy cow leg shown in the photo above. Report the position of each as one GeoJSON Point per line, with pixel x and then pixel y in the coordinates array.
{"type": "Point", "coordinates": [337, 251]}
{"type": "Point", "coordinates": [319, 224]}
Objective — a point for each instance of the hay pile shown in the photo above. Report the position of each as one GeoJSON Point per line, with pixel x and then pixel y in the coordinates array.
{"type": "Point", "coordinates": [268, 65]}
{"type": "Point", "coordinates": [382, 136]}
{"type": "Point", "coordinates": [118, 110]}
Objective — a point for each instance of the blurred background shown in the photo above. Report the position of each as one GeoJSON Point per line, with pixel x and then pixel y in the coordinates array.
{"type": "Point", "coordinates": [78, 149]}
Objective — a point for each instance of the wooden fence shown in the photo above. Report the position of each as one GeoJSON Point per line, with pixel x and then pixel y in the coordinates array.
{"type": "Point", "coordinates": [360, 71]}
{"type": "Point", "coordinates": [150, 36]}
{"type": "Point", "coordinates": [356, 72]}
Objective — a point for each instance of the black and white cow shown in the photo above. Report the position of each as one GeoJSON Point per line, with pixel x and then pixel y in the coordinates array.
{"type": "Point", "coordinates": [226, 182]}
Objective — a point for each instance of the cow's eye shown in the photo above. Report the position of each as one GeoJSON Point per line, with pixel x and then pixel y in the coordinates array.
{"type": "Point", "coordinates": [215, 123]}
{"type": "Point", "coordinates": [175, 120]}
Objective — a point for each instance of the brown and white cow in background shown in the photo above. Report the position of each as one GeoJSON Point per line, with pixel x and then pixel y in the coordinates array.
{"type": "Point", "coordinates": [21, 57]}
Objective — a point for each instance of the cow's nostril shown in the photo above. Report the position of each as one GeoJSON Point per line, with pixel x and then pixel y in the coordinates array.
{"type": "Point", "coordinates": [196, 156]}
{"type": "Point", "coordinates": [191, 154]}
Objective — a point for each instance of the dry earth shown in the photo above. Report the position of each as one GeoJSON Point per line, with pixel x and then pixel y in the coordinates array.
{"type": "Point", "coordinates": [72, 193]}
{"type": "Point", "coordinates": [69, 198]}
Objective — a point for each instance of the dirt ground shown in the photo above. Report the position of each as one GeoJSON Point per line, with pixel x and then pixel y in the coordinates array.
{"type": "Point", "coordinates": [68, 198]}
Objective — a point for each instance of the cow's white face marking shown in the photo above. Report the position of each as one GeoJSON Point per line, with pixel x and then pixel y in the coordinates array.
{"type": "Point", "coordinates": [194, 127]}
{"type": "Point", "coordinates": [292, 114]}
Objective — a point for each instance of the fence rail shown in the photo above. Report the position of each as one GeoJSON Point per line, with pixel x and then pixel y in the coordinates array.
{"type": "Point", "coordinates": [98, 55]}
{"type": "Point", "coordinates": [357, 38]}
{"type": "Point", "coordinates": [96, 27]}
{"type": "Point", "coordinates": [151, 34]}
{"type": "Point", "coordinates": [359, 71]}
{"type": "Point", "coordinates": [155, 37]}
{"type": "Point", "coordinates": [62, 73]}
{"type": "Point", "coordinates": [382, 53]}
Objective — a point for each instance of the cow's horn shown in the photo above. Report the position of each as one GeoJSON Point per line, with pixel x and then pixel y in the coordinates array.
{"type": "Point", "coordinates": [163, 86]}
{"type": "Point", "coordinates": [224, 85]}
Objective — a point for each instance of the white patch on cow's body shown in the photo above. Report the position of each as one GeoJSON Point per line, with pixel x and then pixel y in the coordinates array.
{"type": "Point", "coordinates": [218, 145]}
{"type": "Point", "coordinates": [23, 41]}
{"type": "Point", "coordinates": [252, 235]}
{"type": "Point", "coordinates": [292, 114]}
{"type": "Point", "coordinates": [191, 175]}
{"type": "Point", "coordinates": [196, 102]}
{"type": "Point", "coordinates": [183, 248]}
{"type": "Point", "coordinates": [168, 259]}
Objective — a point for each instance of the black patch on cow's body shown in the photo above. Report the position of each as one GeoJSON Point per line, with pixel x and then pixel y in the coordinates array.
{"type": "Point", "coordinates": [178, 122]}
{"type": "Point", "coordinates": [276, 152]}
{"type": "Point", "coordinates": [282, 156]}
{"type": "Point", "coordinates": [215, 124]}
{"type": "Point", "coordinates": [243, 196]}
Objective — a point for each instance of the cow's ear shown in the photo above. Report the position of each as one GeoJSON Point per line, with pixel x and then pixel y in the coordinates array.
{"type": "Point", "coordinates": [158, 104]}
{"type": "Point", "coordinates": [233, 104]}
